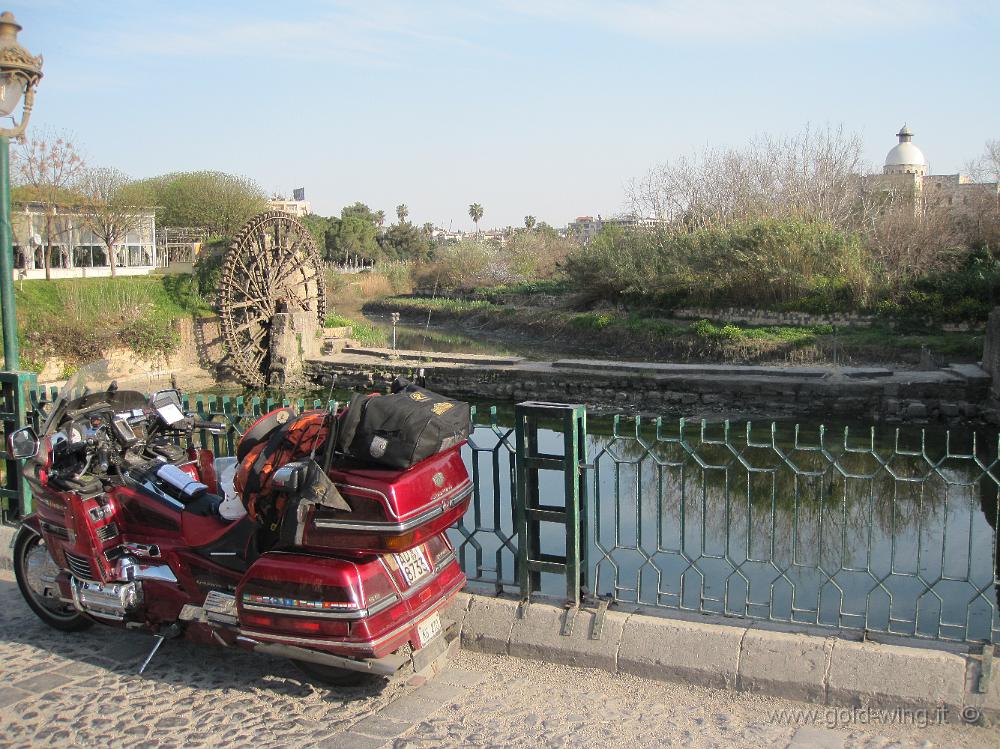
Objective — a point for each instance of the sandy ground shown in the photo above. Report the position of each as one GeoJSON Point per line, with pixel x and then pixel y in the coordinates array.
{"type": "Point", "coordinates": [83, 690]}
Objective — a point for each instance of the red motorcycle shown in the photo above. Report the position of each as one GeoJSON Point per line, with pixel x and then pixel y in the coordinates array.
{"type": "Point", "coordinates": [339, 565]}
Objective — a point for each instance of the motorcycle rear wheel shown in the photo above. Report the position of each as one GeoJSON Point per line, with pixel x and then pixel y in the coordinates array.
{"type": "Point", "coordinates": [35, 572]}
{"type": "Point", "coordinates": [333, 676]}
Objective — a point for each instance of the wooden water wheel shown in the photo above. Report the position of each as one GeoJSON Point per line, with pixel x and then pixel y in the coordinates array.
{"type": "Point", "coordinates": [271, 266]}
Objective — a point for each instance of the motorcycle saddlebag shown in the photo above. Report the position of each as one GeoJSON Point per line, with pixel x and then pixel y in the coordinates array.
{"type": "Point", "coordinates": [404, 428]}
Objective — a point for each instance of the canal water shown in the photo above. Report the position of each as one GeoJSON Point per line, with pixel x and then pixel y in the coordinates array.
{"type": "Point", "coordinates": [878, 531]}
{"type": "Point", "coordinates": [449, 340]}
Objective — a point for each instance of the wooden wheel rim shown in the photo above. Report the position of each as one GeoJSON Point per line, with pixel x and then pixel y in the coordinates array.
{"type": "Point", "coordinates": [272, 265]}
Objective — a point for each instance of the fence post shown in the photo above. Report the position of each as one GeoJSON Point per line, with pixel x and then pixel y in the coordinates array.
{"type": "Point", "coordinates": [531, 509]}
{"type": "Point", "coordinates": [17, 388]}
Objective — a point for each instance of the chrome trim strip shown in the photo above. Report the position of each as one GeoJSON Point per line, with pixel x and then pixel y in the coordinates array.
{"type": "Point", "coordinates": [383, 526]}
{"type": "Point", "coordinates": [324, 613]}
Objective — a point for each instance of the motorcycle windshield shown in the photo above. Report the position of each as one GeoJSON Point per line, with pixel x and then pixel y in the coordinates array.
{"type": "Point", "coordinates": [98, 377]}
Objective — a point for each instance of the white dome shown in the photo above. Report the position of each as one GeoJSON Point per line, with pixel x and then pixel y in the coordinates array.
{"type": "Point", "coordinates": [905, 154]}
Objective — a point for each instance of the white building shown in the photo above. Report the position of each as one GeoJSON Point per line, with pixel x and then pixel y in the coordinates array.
{"type": "Point", "coordinates": [586, 228]}
{"type": "Point", "coordinates": [904, 175]}
{"type": "Point", "coordinates": [76, 252]}
{"type": "Point", "coordinates": [297, 208]}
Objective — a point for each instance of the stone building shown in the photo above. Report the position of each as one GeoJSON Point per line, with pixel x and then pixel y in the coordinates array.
{"type": "Point", "coordinates": [904, 178]}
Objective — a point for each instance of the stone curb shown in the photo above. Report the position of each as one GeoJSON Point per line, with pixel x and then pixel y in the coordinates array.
{"type": "Point", "coordinates": [814, 668]}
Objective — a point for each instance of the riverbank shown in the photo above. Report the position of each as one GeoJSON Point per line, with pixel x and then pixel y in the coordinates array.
{"type": "Point", "coordinates": [952, 395]}
{"type": "Point", "coordinates": [611, 333]}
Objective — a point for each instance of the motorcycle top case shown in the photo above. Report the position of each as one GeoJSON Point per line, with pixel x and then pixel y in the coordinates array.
{"type": "Point", "coordinates": [399, 430]}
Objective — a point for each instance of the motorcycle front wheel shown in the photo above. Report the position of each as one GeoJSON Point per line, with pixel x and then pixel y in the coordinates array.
{"type": "Point", "coordinates": [36, 573]}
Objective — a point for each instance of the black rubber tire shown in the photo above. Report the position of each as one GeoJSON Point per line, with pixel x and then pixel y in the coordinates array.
{"type": "Point", "coordinates": [333, 676]}
{"type": "Point", "coordinates": [26, 540]}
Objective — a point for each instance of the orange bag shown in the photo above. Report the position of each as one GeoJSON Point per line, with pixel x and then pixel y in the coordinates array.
{"type": "Point", "coordinates": [296, 439]}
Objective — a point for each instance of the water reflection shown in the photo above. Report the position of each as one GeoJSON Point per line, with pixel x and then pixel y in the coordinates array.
{"type": "Point", "coordinates": [860, 529]}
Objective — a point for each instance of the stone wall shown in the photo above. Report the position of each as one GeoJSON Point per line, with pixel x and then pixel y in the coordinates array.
{"type": "Point", "coordinates": [749, 316]}
{"type": "Point", "coordinates": [913, 397]}
{"type": "Point", "coordinates": [991, 352]}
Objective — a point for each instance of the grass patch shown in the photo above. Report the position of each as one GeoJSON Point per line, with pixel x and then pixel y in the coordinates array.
{"type": "Point", "coordinates": [362, 331]}
{"type": "Point", "coordinates": [612, 332]}
{"type": "Point", "coordinates": [79, 319]}
{"type": "Point", "coordinates": [438, 304]}
{"type": "Point", "coordinates": [958, 343]}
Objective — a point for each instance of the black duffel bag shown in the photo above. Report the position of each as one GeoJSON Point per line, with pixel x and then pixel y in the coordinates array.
{"type": "Point", "coordinates": [403, 428]}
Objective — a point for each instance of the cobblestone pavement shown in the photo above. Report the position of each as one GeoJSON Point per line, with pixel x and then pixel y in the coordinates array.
{"type": "Point", "coordinates": [69, 690]}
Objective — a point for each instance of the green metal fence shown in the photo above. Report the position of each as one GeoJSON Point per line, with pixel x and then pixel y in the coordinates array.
{"type": "Point", "coordinates": [879, 532]}
{"type": "Point", "coordinates": [884, 533]}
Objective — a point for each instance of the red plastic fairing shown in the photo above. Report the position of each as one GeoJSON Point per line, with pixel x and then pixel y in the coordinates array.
{"type": "Point", "coordinates": [206, 471]}
{"type": "Point", "coordinates": [392, 511]}
{"type": "Point", "coordinates": [355, 608]}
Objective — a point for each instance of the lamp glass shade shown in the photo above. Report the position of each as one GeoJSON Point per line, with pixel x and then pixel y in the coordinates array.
{"type": "Point", "coordinates": [11, 91]}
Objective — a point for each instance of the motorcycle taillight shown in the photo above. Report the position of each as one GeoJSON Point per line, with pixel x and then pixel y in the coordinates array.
{"type": "Point", "coordinates": [283, 624]}
{"type": "Point", "coordinates": [378, 587]}
{"type": "Point", "coordinates": [297, 598]}
{"type": "Point", "coordinates": [439, 549]}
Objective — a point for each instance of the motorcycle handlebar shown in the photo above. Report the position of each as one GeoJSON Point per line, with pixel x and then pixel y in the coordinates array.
{"type": "Point", "coordinates": [211, 426]}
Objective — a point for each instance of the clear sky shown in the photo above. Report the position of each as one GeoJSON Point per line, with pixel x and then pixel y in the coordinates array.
{"type": "Point", "coordinates": [525, 106]}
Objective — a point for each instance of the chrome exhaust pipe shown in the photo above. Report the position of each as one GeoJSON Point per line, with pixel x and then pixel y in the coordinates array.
{"type": "Point", "coordinates": [387, 666]}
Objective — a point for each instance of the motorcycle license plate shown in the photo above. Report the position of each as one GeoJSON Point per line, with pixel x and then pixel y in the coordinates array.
{"type": "Point", "coordinates": [428, 629]}
{"type": "Point", "coordinates": [413, 565]}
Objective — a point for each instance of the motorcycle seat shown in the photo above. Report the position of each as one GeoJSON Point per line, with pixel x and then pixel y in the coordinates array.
{"type": "Point", "coordinates": [204, 504]}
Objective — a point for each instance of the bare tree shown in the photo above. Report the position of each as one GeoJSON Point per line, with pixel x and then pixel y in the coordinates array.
{"type": "Point", "coordinates": [816, 173]}
{"type": "Point", "coordinates": [987, 167]}
{"type": "Point", "coordinates": [51, 166]}
{"type": "Point", "coordinates": [906, 243]}
{"type": "Point", "coordinates": [109, 209]}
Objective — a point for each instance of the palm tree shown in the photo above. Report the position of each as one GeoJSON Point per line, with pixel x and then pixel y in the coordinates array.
{"type": "Point", "coordinates": [529, 222]}
{"type": "Point", "coordinates": [428, 228]}
{"type": "Point", "coordinates": [402, 212]}
{"type": "Point", "coordinates": [379, 217]}
{"type": "Point", "coordinates": [476, 213]}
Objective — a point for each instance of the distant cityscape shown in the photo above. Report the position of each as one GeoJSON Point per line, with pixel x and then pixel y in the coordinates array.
{"type": "Point", "coordinates": [904, 174]}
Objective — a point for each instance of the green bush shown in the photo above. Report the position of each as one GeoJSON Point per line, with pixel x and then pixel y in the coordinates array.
{"type": "Point", "coordinates": [705, 329]}
{"type": "Point", "coordinates": [398, 275]}
{"type": "Point", "coordinates": [594, 320]}
{"type": "Point", "coordinates": [208, 271]}
{"type": "Point", "coordinates": [731, 332]}
{"type": "Point", "coordinates": [149, 338]}
{"type": "Point", "coordinates": [765, 264]}
{"type": "Point", "coordinates": [965, 294]}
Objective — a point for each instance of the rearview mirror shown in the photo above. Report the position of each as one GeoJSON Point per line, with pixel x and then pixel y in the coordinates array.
{"type": "Point", "coordinates": [168, 405]}
{"type": "Point", "coordinates": [23, 443]}
{"type": "Point", "coordinates": [289, 477]}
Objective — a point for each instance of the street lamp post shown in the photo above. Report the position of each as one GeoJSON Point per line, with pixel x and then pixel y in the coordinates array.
{"type": "Point", "coordinates": [20, 72]}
